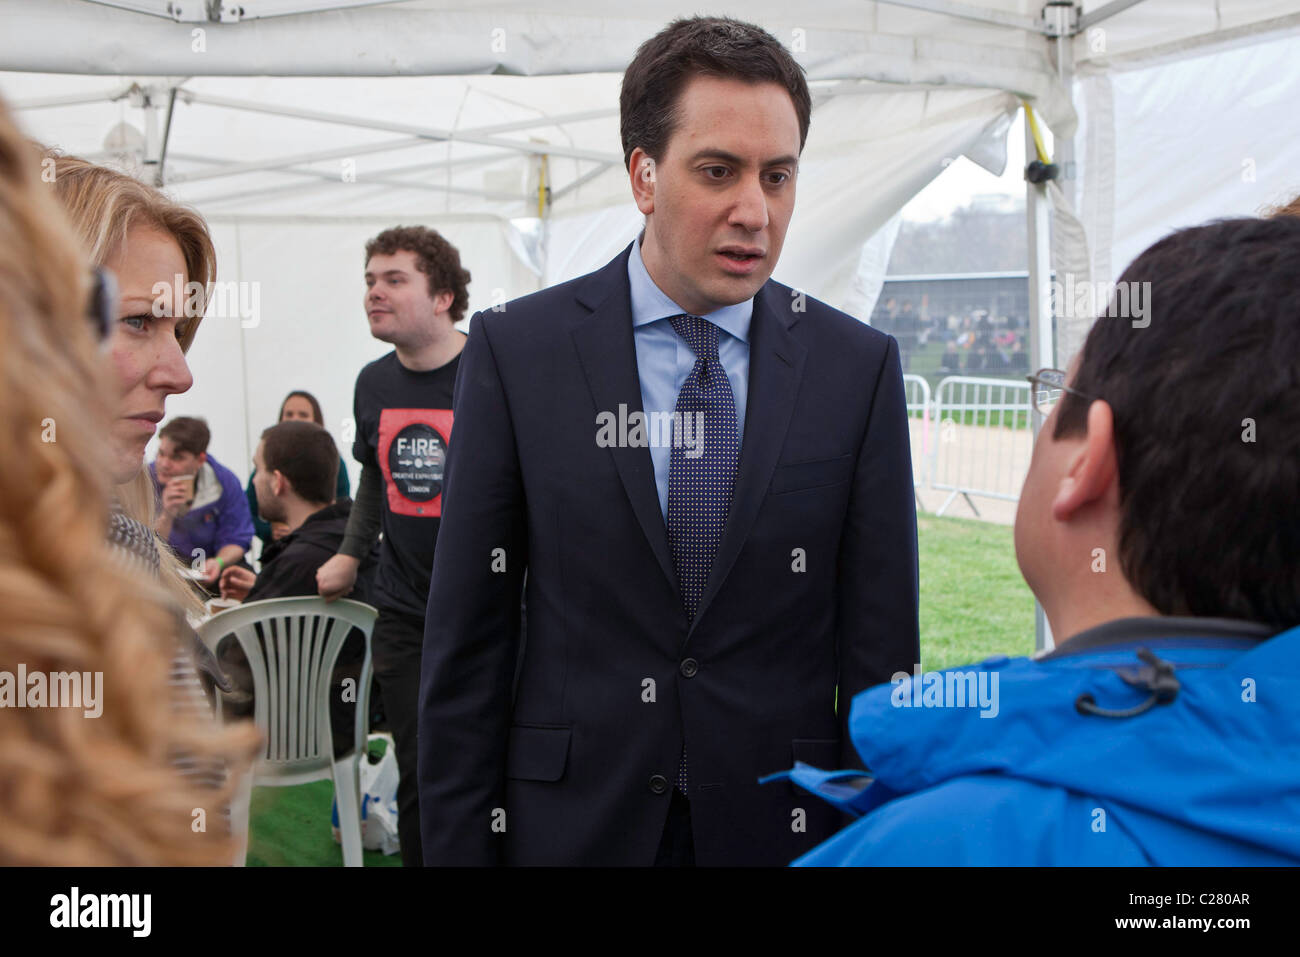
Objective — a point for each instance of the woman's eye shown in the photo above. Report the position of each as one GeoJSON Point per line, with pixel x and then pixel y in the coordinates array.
{"type": "Point", "coordinates": [182, 329]}
{"type": "Point", "coordinates": [137, 323]}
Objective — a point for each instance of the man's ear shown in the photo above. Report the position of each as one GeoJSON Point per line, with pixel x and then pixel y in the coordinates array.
{"type": "Point", "coordinates": [279, 484]}
{"type": "Point", "coordinates": [442, 302]}
{"type": "Point", "coordinates": [203, 457]}
{"type": "Point", "coordinates": [1094, 469]}
{"type": "Point", "coordinates": [641, 171]}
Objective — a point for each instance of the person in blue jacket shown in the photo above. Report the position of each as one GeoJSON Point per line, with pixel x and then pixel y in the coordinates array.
{"type": "Point", "coordinates": [1159, 527]}
{"type": "Point", "coordinates": [204, 516]}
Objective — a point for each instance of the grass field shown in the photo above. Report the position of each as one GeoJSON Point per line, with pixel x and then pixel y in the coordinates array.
{"type": "Point", "coordinates": [973, 604]}
{"type": "Point", "coordinates": [973, 601]}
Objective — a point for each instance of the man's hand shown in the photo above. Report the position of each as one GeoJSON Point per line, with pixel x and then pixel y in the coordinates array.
{"type": "Point", "coordinates": [337, 577]}
{"type": "Point", "coordinates": [236, 581]}
{"type": "Point", "coordinates": [176, 498]}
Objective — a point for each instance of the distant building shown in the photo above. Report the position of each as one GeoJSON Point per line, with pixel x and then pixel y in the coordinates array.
{"type": "Point", "coordinates": [956, 294]}
{"type": "Point", "coordinates": [999, 294]}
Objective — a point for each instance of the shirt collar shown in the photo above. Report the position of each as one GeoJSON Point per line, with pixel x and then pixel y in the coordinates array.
{"type": "Point", "coordinates": [650, 303]}
{"type": "Point", "coordinates": [1158, 627]}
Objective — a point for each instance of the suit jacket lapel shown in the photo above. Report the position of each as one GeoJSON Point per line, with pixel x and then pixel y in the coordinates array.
{"type": "Point", "coordinates": [608, 357]}
{"type": "Point", "coordinates": [776, 360]}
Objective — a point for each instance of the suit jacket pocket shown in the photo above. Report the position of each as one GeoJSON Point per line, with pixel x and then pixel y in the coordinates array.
{"type": "Point", "coordinates": [805, 475]}
{"type": "Point", "coordinates": [821, 753]}
{"type": "Point", "coordinates": [537, 754]}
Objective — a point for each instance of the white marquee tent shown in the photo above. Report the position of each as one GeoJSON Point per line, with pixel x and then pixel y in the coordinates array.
{"type": "Point", "coordinates": [302, 127]}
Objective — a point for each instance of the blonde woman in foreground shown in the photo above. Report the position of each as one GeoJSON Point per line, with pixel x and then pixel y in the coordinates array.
{"type": "Point", "coordinates": [94, 783]}
{"type": "Point", "coordinates": [147, 241]}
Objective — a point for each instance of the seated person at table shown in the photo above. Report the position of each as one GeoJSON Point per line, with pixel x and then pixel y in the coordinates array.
{"type": "Point", "coordinates": [294, 476]}
{"type": "Point", "coordinates": [204, 515]}
{"type": "Point", "coordinates": [295, 468]}
{"type": "Point", "coordinates": [297, 405]}
{"type": "Point", "coordinates": [1157, 527]}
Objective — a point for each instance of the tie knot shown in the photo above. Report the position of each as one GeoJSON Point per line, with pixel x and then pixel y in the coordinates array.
{"type": "Point", "coordinates": [700, 334]}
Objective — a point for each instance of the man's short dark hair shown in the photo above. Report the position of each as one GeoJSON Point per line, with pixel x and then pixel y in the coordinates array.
{"type": "Point", "coordinates": [434, 256]}
{"type": "Point", "coordinates": [305, 454]}
{"type": "Point", "coordinates": [700, 46]}
{"type": "Point", "coordinates": [187, 434]}
{"type": "Point", "coordinates": [1206, 404]}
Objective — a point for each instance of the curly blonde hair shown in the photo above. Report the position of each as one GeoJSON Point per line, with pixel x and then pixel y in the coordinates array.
{"type": "Point", "coordinates": [75, 789]}
{"type": "Point", "coordinates": [1286, 209]}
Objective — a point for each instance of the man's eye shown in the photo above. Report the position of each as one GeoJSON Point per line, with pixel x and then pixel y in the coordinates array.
{"type": "Point", "coordinates": [776, 179]}
{"type": "Point", "coordinates": [710, 171]}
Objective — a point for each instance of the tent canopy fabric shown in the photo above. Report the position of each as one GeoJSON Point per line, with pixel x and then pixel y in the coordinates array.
{"type": "Point", "coordinates": [300, 128]}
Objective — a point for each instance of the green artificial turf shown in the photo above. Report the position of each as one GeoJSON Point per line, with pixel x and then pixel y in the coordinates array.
{"type": "Point", "coordinates": [290, 826]}
{"type": "Point", "coordinates": [973, 604]}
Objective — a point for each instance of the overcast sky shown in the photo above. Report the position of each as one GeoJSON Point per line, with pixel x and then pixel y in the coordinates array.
{"type": "Point", "coordinates": [961, 181]}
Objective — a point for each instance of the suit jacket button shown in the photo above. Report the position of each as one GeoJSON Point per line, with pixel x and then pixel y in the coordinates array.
{"type": "Point", "coordinates": [658, 784]}
{"type": "Point", "coordinates": [689, 667]}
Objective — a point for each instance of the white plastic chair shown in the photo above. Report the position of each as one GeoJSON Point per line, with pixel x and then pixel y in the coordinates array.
{"type": "Point", "coordinates": [292, 645]}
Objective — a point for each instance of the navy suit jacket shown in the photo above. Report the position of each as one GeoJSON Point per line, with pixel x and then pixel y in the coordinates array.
{"type": "Point", "coordinates": [560, 745]}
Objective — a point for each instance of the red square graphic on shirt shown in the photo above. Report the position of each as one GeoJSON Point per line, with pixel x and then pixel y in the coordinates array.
{"type": "Point", "coordinates": [413, 455]}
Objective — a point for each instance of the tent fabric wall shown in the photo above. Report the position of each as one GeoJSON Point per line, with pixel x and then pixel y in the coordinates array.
{"type": "Point", "coordinates": [900, 91]}
{"type": "Point", "coordinates": [309, 268]}
{"type": "Point", "coordinates": [311, 331]}
{"type": "Point", "coordinates": [834, 39]}
{"type": "Point", "coordinates": [871, 147]}
{"type": "Point", "coordinates": [1150, 163]}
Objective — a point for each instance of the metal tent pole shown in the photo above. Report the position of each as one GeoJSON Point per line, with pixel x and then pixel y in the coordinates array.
{"type": "Point", "coordinates": [1041, 347]}
{"type": "Point", "coordinates": [1061, 22]}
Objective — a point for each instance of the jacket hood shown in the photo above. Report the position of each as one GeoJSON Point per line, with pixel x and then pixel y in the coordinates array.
{"type": "Point", "coordinates": [1211, 759]}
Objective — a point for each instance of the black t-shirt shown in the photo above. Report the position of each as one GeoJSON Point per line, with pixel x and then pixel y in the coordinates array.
{"type": "Point", "coordinates": [403, 425]}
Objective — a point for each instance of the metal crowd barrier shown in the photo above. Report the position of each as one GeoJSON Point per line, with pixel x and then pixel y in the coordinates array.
{"type": "Point", "coordinates": [983, 438]}
{"type": "Point", "coordinates": [919, 419]}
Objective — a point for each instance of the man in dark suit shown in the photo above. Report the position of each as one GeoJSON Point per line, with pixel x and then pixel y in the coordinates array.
{"type": "Point", "coordinates": [705, 475]}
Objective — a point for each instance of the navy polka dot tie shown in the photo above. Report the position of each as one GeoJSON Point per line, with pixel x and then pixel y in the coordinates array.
{"type": "Point", "coordinates": [701, 468]}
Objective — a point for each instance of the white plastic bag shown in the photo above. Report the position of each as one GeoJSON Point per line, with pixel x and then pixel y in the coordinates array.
{"type": "Point", "coordinates": [378, 800]}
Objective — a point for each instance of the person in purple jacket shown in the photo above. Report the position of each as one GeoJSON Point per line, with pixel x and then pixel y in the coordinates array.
{"type": "Point", "coordinates": [204, 514]}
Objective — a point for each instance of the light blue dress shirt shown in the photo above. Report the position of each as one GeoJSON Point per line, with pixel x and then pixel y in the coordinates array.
{"type": "Point", "coordinates": [664, 360]}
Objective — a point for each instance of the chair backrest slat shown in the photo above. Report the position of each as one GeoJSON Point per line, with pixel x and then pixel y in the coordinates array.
{"type": "Point", "coordinates": [282, 652]}
{"type": "Point", "coordinates": [292, 646]}
{"type": "Point", "coordinates": [291, 704]}
{"type": "Point", "coordinates": [272, 689]}
{"type": "Point", "coordinates": [308, 694]}
{"type": "Point", "coordinates": [307, 713]}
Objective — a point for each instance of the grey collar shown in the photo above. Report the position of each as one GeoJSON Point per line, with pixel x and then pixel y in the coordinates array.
{"type": "Point", "coordinates": [1128, 630]}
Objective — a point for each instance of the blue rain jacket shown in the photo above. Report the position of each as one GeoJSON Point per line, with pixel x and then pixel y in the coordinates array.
{"type": "Point", "coordinates": [1211, 777]}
